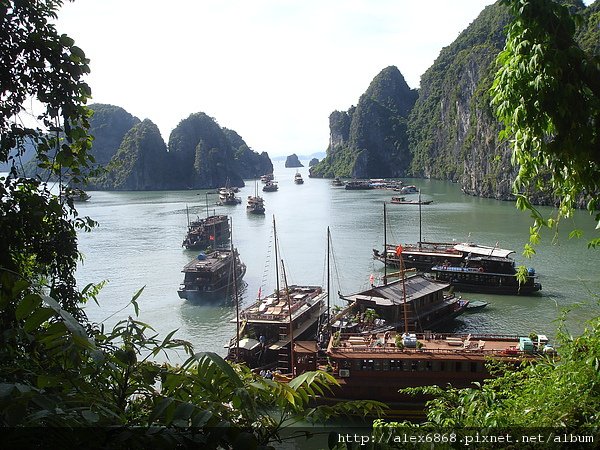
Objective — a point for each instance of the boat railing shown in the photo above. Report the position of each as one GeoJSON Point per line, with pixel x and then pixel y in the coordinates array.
{"type": "Point", "coordinates": [474, 348]}
{"type": "Point", "coordinates": [279, 316]}
{"type": "Point", "coordinates": [433, 336]}
{"type": "Point", "coordinates": [433, 249]}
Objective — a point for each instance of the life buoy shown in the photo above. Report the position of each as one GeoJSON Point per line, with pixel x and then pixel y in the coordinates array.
{"type": "Point", "coordinates": [481, 269]}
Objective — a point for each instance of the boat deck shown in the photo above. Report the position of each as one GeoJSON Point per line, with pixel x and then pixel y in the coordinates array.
{"type": "Point", "coordinates": [269, 311]}
{"type": "Point", "coordinates": [434, 346]}
{"type": "Point", "coordinates": [211, 263]}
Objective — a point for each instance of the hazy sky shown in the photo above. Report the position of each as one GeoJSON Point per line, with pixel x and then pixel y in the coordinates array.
{"type": "Point", "coordinates": [272, 70]}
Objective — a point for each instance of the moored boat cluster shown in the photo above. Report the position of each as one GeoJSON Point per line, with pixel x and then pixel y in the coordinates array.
{"type": "Point", "coordinates": [387, 337]}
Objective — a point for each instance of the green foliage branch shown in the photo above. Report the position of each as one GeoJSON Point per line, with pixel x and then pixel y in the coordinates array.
{"type": "Point", "coordinates": [547, 95]}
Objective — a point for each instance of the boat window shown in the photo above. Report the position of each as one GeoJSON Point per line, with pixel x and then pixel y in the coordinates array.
{"type": "Point", "coordinates": [442, 366]}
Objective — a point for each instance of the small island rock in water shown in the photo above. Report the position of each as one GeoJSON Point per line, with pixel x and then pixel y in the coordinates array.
{"type": "Point", "coordinates": [293, 161]}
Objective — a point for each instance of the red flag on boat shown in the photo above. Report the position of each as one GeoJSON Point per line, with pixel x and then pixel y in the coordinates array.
{"type": "Point", "coordinates": [211, 237]}
{"type": "Point", "coordinates": [399, 250]}
{"type": "Point", "coordinates": [259, 291]}
{"type": "Point", "coordinates": [372, 279]}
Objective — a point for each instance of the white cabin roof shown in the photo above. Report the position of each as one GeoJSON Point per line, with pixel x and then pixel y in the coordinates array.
{"type": "Point", "coordinates": [483, 250]}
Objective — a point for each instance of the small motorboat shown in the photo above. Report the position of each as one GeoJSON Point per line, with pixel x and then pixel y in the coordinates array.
{"type": "Point", "coordinates": [476, 305]}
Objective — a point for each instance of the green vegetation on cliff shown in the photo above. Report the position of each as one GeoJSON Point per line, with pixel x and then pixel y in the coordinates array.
{"type": "Point", "coordinates": [370, 139]}
{"type": "Point", "coordinates": [250, 164]}
{"type": "Point", "coordinates": [201, 154]}
{"type": "Point", "coordinates": [108, 125]}
{"type": "Point", "coordinates": [452, 130]}
{"type": "Point", "coordinates": [140, 162]}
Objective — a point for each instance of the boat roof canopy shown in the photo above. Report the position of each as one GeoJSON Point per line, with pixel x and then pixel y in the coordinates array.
{"type": "Point", "coordinates": [248, 344]}
{"type": "Point", "coordinates": [483, 250]}
{"type": "Point", "coordinates": [417, 286]}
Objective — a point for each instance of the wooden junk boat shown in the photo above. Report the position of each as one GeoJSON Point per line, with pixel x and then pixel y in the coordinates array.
{"type": "Point", "coordinates": [270, 186]}
{"type": "Point", "coordinates": [414, 301]}
{"type": "Point", "coordinates": [403, 201]}
{"type": "Point", "coordinates": [487, 274]}
{"type": "Point", "coordinates": [227, 196]}
{"type": "Point", "coordinates": [266, 329]}
{"type": "Point", "coordinates": [256, 205]}
{"type": "Point", "coordinates": [208, 232]}
{"type": "Point", "coordinates": [424, 255]}
{"type": "Point", "coordinates": [75, 194]}
{"type": "Point", "coordinates": [212, 275]}
{"type": "Point", "coordinates": [376, 366]}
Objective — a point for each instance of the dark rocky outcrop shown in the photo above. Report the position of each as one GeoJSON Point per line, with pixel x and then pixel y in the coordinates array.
{"type": "Point", "coordinates": [293, 161]}
{"type": "Point", "coordinates": [453, 132]}
{"type": "Point", "coordinates": [200, 154]}
{"type": "Point", "coordinates": [108, 125]}
{"type": "Point", "coordinates": [140, 163]}
{"type": "Point", "coordinates": [250, 164]}
{"type": "Point", "coordinates": [370, 140]}
{"type": "Point", "coordinates": [313, 162]}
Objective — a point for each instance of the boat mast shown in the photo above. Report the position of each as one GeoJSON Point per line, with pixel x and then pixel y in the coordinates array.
{"type": "Point", "coordinates": [289, 302]}
{"type": "Point", "coordinates": [402, 274]}
{"type": "Point", "coordinates": [328, 286]}
{"type": "Point", "coordinates": [236, 298]}
{"type": "Point", "coordinates": [206, 197]}
{"type": "Point", "coordinates": [187, 213]}
{"type": "Point", "coordinates": [276, 256]}
{"type": "Point", "coordinates": [420, 237]}
{"type": "Point", "coordinates": [384, 245]}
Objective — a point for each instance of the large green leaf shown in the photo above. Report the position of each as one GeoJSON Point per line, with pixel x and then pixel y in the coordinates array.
{"type": "Point", "coordinates": [27, 305]}
{"type": "Point", "coordinates": [38, 317]}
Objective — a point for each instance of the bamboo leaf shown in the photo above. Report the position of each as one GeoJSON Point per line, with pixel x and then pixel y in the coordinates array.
{"type": "Point", "coordinates": [224, 367]}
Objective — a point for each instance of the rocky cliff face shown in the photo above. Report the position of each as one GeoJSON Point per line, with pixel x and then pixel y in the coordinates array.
{"type": "Point", "coordinates": [250, 164]}
{"type": "Point", "coordinates": [370, 140]}
{"type": "Point", "coordinates": [139, 163]}
{"type": "Point", "coordinates": [293, 161]}
{"type": "Point", "coordinates": [452, 130]}
{"type": "Point", "coordinates": [201, 154]}
{"type": "Point", "coordinates": [108, 125]}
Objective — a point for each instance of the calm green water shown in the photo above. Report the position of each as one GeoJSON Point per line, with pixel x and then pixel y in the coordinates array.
{"type": "Point", "coordinates": [138, 243]}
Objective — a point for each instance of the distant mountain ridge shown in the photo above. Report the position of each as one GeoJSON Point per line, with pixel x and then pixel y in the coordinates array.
{"type": "Point", "coordinates": [200, 154]}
